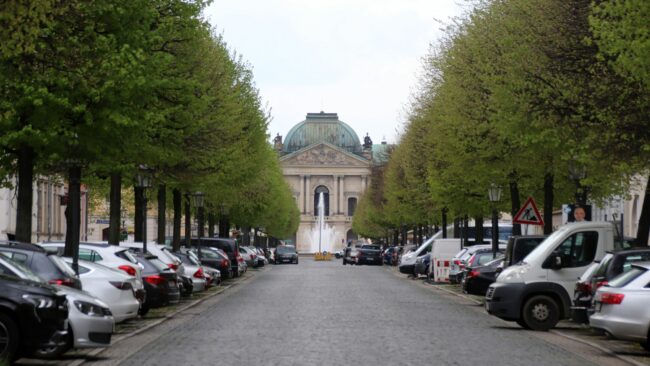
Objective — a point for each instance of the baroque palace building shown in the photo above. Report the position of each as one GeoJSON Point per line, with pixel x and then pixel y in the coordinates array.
{"type": "Point", "coordinates": [324, 155]}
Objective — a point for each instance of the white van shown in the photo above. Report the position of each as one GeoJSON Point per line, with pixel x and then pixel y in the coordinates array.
{"type": "Point", "coordinates": [537, 292]}
{"type": "Point", "coordinates": [407, 262]}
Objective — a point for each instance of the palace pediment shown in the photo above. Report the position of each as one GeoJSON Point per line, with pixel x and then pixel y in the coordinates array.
{"type": "Point", "coordinates": [323, 154]}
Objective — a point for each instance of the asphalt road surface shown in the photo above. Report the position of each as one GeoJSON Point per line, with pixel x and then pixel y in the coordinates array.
{"type": "Point", "coordinates": [324, 313]}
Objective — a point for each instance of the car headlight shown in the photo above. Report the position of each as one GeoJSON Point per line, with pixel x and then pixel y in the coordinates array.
{"type": "Point", "coordinates": [513, 273]}
{"type": "Point", "coordinates": [91, 309]}
{"type": "Point", "coordinates": [40, 301]}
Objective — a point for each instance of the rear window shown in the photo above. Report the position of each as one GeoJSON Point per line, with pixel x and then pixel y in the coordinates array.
{"type": "Point", "coordinates": [208, 254]}
{"type": "Point", "coordinates": [627, 277]}
{"type": "Point", "coordinates": [158, 264]}
{"type": "Point", "coordinates": [62, 265]}
{"type": "Point", "coordinates": [126, 254]}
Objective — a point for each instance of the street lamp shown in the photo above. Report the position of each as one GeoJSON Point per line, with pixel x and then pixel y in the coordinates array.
{"type": "Point", "coordinates": [198, 198]}
{"type": "Point", "coordinates": [494, 194]}
{"type": "Point", "coordinates": [143, 181]}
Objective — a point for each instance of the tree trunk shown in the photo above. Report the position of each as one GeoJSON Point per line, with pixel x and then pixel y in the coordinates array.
{"type": "Point", "coordinates": [643, 230]}
{"type": "Point", "coordinates": [211, 223]}
{"type": "Point", "coordinates": [478, 236]}
{"type": "Point", "coordinates": [456, 227]}
{"type": "Point", "coordinates": [115, 214]}
{"type": "Point", "coordinates": [548, 203]}
{"type": "Point", "coordinates": [25, 194]}
{"type": "Point", "coordinates": [444, 224]}
{"type": "Point", "coordinates": [515, 205]}
{"type": "Point", "coordinates": [73, 218]}
{"type": "Point", "coordinates": [188, 220]}
{"type": "Point", "coordinates": [200, 222]}
{"type": "Point", "coordinates": [177, 198]}
{"type": "Point", "coordinates": [224, 227]}
{"type": "Point", "coordinates": [162, 208]}
{"type": "Point", "coordinates": [395, 237]}
{"type": "Point", "coordinates": [138, 219]}
{"type": "Point", "coordinates": [246, 236]}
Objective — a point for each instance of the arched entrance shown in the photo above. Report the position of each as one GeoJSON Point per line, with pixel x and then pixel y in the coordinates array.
{"type": "Point", "coordinates": [351, 236]}
{"type": "Point", "coordinates": [326, 199]}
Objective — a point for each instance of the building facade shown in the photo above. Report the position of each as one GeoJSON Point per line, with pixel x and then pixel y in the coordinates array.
{"type": "Point", "coordinates": [323, 157]}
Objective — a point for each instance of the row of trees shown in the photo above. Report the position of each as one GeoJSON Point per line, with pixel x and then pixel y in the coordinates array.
{"type": "Point", "coordinates": [98, 91]}
{"type": "Point", "coordinates": [547, 98]}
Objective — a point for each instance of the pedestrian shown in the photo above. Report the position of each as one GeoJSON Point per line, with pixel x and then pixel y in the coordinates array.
{"type": "Point", "coordinates": [579, 213]}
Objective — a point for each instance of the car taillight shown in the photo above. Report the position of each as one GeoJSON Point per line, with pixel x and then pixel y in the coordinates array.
{"type": "Point", "coordinates": [128, 269]}
{"type": "Point", "coordinates": [601, 284]}
{"type": "Point", "coordinates": [199, 273]}
{"type": "Point", "coordinates": [173, 266]}
{"type": "Point", "coordinates": [472, 274]}
{"type": "Point", "coordinates": [121, 285]}
{"type": "Point", "coordinates": [252, 256]}
{"type": "Point", "coordinates": [583, 287]}
{"type": "Point", "coordinates": [457, 262]}
{"type": "Point", "coordinates": [612, 299]}
{"type": "Point", "coordinates": [64, 282]}
{"type": "Point", "coordinates": [154, 280]}
{"type": "Point", "coordinates": [224, 263]}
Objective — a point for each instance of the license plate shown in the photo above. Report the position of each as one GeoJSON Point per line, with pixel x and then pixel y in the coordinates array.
{"type": "Point", "coordinates": [172, 282]}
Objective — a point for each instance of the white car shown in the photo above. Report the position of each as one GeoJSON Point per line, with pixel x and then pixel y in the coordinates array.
{"type": "Point", "coordinates": [622, 306]}
{"type": "Point", "coordinates": [115, 288]}
{"type": "Point", "coordinates": [159, 251]}
{"type": "Point", "coordinates": [90, 320]}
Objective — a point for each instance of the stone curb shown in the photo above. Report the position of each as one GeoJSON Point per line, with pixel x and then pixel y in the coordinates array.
{"type": "Point", "coordinates": [553, 331]}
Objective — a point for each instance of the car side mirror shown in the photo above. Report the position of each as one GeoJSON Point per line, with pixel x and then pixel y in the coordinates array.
{"type": "Point", "coordinates": [554, 261]}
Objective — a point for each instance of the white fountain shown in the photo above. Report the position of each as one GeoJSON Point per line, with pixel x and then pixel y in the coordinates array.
{"type": "Point", "coordinates": [322, 235]}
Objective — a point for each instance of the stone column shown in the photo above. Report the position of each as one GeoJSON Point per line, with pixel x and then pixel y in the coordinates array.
{"type": "Point", "coordinates": [308, 195]}
{"type": "Point", "coordinates": [301, 199]}
{"type": "Point", "coordinates": [364, 180]}
{"type": "Point", "coordinates": [342, 197]}
{"type": "Point", "coordinates": [334, 198]}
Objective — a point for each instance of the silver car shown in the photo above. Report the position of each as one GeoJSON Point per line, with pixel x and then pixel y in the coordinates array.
{"type": "Point", "coordinates": [621, 307]}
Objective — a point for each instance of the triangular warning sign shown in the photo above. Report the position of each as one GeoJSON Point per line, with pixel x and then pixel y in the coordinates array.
{"type": "Point", "coordinates": [529, 214]}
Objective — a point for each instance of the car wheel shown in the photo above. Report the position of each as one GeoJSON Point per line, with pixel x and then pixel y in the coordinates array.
{"type": "Point", "coordinates": [8, 339]}
{"type": "Point", "coordinates": [55, 352]}
{"type": "Point", "coordinates": [541, 313]}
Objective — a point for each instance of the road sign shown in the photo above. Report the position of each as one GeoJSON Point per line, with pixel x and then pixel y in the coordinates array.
{"type": "Point", "coordinates": [529, 214]}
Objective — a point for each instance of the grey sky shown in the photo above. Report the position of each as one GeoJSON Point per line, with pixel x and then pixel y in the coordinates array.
{"type": "Point", "coordinates": [358, 58]}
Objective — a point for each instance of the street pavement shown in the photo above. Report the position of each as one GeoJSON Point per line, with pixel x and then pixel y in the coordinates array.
{"type": "Point", "coordinates": [323, 313]}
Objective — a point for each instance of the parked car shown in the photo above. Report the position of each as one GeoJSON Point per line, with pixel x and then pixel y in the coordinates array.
{"type": "Point", "coordinates": [286, 254]}
{"type": "Point", "coordinates": [621, 307]}
{"type": "Point", "coordinates": [46, 265]}
{"type": "Point", "coordinates": [114, 287]}
{"type": "Point", "coordinates": [212, 257]}
{"type": "Point", "coordinates": [475, 256]}
{"type": "Point", "coordinates": [422, 265]}
{"type": "Point", "coordinates": [351, 255]}
{"type": "Point", "coordinates": [537, 293]}
{"type": "Point", "coordinates": [159, 251]}
{"type": "Point", "coordinates": [229, 246]}
{"type": "Point", "coordinates": [477, 279]}
{"type": "Point", "coordinates": [459, 261]}
{"type": "Point", "coordinates": [161, 282]}
{"type": "Point", "coordinates": [250, 256]}
{"type": "Point", "coordinates": [108, 255]}
{"type": "Point", "coordinates": [34, 315]}
{"type": "Point", "coordinates": [612, 265]}
{"type": "Point", "coordinates": [261, 256]}
{"type": "Point", "coordinates": [370, 254]}
{"type": "Point", "coordinates": [390, 255]}
{"type": "Point", "coordinates": [195, 271]}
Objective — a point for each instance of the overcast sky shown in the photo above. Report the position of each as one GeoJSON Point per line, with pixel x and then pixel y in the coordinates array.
{"type": "Point", "coordinates": [358, 58]}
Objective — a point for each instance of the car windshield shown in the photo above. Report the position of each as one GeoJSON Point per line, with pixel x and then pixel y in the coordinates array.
{"type": "Point", "coordinates": [627, 277]}
{"type": "Point", "coordinates": [286, 250]}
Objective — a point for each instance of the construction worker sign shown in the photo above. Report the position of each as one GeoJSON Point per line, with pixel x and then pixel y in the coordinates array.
{"type": "Point", "coordinates": [529, 214]}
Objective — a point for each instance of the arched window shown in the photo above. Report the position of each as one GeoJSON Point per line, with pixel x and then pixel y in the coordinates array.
{"type": "Point", "coordinates": [326, 199]}
{"type": "Point", "coordinates": [352, 205]}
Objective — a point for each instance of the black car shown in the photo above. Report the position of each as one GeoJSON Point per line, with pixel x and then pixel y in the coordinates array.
{"type": "Point", "coordinates": [160, 282]}
{"type": "Point", "coordinates": [211, 258]}
{"type": "Point", "coordinates": [33, 316]}
{"type": "Point", "coordinates": [612, 265]}
{"type": "Point", "coordinates": [229, 246]}
{"type": "Point", "coordinates": [46, 265]}
{"type": "Point", "coordinates": [286, 254]}
{"type": "Point", "coordinates": [477, 279]}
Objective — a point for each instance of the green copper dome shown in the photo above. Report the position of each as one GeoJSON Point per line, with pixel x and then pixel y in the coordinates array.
{"type": "Point", "coordinates": [322, 127]}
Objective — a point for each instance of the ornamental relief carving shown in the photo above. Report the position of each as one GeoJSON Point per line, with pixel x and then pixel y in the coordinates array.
{"type": "Point", "coordinates": [320, 156]}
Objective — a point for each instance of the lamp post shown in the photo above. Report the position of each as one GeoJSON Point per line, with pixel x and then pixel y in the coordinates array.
{"type": "Point", "coordinates": [143, 181]}
{"type": "Point", "coordinates": [494, 194]}
{"type": "Point", "coordinates": [198, 198]}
